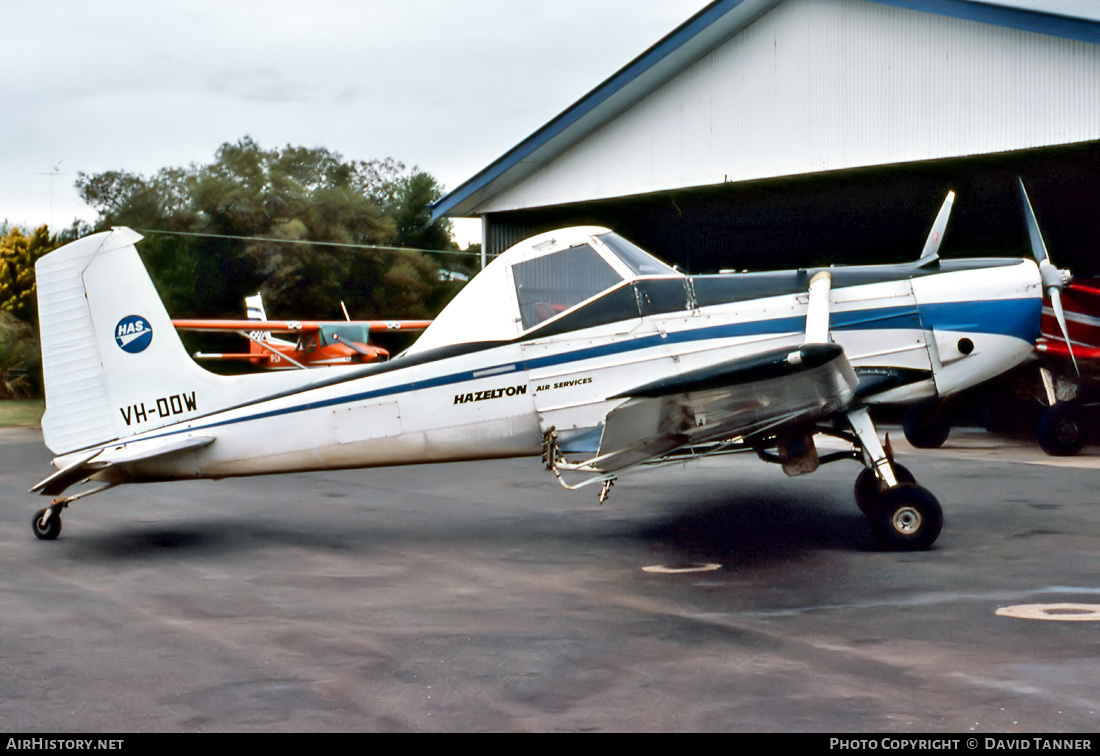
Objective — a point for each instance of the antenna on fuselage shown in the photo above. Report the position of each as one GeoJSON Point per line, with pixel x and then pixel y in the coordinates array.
{"type": "Point", "coordinates": [931, 251]}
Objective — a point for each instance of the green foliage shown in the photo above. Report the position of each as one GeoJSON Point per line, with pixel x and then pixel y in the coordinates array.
{"type": "Point", "coordinates": [18, 254]}
{"type": "Point", "coordinates": [296, 194]}
{"type": "Point", "coordinates": [20, 358]}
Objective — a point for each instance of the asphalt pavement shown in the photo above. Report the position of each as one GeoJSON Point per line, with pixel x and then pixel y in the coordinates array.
{"type": "Point", "coordinates": [712, 596]}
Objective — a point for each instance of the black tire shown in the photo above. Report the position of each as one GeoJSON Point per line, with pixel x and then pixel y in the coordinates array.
{"type": "Point", "coordinates": [908, 518]}
{"type": "Point", "coordinates": [52, 529]}
{"type": "Point", "coordinates": [869, 487]}
{"type": "Point", "coordinates": [925, 425]}
{"type": "Point", "coordinates": [1061, 431]}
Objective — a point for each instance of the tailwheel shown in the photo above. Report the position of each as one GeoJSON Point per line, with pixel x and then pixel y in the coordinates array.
{"type": "Point", "coordinates": [869, 486]}
{"type": "Point", "coordinates": [47, 524]}
{"type": "Point", "coordinates": [907, 518]}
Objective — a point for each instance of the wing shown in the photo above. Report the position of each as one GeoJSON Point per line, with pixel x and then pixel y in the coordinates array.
{"type": "Point", "coordinates": [744, 397]}
{"type": "Point", "coordinates": [297, 326]}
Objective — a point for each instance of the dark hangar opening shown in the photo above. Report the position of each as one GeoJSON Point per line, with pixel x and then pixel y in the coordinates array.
{"type": "Point", "coordinates": [859, 216]}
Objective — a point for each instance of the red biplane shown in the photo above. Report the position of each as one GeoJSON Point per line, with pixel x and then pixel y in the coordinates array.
{"type": "Point", "coordinates": [319, 343]}
{"type": "Point", "coordinates": [1069, 370]}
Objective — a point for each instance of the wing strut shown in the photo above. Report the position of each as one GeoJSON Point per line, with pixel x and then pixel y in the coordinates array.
{"type": "Point", "coordinates": [817, 313]}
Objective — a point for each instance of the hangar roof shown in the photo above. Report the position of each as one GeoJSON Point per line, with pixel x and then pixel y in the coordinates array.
{"type": "Point", "coordinates": [695, 39]}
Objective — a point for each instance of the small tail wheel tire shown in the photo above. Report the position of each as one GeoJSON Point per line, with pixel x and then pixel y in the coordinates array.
{"type": "Point", "coordinates": [869, 487]}
{"type": "Point", "coordinates": [908, 518]}
{"type": "Point", "coordinates": [52, 528]}
{"type": "Point", "coordinates": [1061, 431]}
{"type": "Point", "coordinates": [925, 426]}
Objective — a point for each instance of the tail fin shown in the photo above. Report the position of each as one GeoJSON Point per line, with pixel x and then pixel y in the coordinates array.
{"type": "Point", "coordinates": [254, 310]}
{"type": "Point", "coordinates": [112, 362]}
{"type": "Point", "coordinates": [254, 307]}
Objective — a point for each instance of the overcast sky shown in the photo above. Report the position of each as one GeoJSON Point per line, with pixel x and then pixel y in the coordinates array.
{"type": "Point", "coordinates": [446, 85]}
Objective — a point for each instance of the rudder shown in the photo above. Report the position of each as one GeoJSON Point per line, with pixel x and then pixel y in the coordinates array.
{"type": "Point", "coordinates": [112, 362]}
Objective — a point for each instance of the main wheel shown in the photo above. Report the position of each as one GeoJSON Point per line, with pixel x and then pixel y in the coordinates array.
{"type": "Point", "coordinates": [907, 518]}
{"type": "Point", "coordinates": [1061, 431]}
{"type": "Point", "coordinates": [925, 426]}
{"type": "Point", "coordinates": [52, 528]}
{"type": "Point", "coordinates": [868, 486]}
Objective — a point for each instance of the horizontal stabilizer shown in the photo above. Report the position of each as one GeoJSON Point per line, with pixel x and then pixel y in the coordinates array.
{"type": "Point", "coordinates": [68, 475]}
{"type": "Point", "coordinates": [117, 455]}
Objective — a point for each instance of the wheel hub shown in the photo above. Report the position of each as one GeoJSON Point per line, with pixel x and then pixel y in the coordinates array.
{"type": "Point", "coordinates": [1067, 431]}
{"type": "Point", "coordinates": [906, 520]}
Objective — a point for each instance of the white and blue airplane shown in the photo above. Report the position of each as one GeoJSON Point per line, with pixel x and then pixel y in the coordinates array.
{"type": "Point", "coordinates": [575, 345]}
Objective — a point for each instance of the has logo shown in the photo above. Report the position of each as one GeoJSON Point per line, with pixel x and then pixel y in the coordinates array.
{"type": "Point", "coordinates": [133, 334]}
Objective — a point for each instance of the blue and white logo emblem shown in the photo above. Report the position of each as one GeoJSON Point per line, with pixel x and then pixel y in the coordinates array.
{"type": "Point", "coordinates": [133, 334]}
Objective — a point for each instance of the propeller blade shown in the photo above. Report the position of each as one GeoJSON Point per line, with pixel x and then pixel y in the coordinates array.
{"type": "Point", "coordinates": [931, 251]}
{"type": "Point", "coordinates": [1053, 280]}
{"type": "Point", "coordinates": [1059, 313]}
{"type": "Point", "coordinates": [1038, 247]}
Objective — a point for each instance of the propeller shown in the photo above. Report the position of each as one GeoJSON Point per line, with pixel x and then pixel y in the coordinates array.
{"type": "Point", "coordinates": [1053, 278]}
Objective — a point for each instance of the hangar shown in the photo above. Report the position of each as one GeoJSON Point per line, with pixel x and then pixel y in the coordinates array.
{"type": "Point", "coordinates": [764, 134]}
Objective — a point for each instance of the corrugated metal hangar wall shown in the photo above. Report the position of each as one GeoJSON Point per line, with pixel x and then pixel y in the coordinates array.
{"type": "Point", "coordinates": [781, 133]}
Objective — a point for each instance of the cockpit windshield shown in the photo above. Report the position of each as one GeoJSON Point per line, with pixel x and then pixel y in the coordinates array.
{"type": "Point", "coordinates": [334, 333]}
{"type": "Point", "coordinates": [637, 259]}
{"type": "Point", "coordinates": [577, 277]}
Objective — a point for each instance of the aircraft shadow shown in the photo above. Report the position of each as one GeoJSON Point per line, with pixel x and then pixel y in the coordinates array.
{"type": "Point", "coordinates": [746, 525]}
{"type": "Point", "coordinates": [759, 526]}
{"type": "Point", "coordinates": [201, 540]}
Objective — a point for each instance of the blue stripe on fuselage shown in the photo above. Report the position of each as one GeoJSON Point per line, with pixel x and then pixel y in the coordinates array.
{"type": "Point", "coordinates": [1017, 318]}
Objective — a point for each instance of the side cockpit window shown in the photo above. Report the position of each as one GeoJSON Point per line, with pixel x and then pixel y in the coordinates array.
{"type": "Point", "coordinates": [551, 284]}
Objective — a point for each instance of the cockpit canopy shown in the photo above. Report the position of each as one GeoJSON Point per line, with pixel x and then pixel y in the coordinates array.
{"type": "Point", "coordinates": [538, 280]}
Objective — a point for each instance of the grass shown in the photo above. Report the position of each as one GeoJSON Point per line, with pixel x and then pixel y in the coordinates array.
{"type": "Point", "coordinates": [21, 413]}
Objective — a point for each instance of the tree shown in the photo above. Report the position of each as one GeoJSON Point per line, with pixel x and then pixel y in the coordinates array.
{"type": "Point", "coordinates": [18, 254]}
{"type": "Point", "coordinates": [248, 198]}
{"type": "Point", "coordinates": [20, 359]}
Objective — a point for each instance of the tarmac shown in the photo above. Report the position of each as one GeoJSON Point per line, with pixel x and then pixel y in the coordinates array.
{"type": "Point", "coordinates": [713, 596]}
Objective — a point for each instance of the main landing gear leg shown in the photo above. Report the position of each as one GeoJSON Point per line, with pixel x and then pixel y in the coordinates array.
{"type": "Point", "coordinates": [1062, 431]}
{"type": "Point", "coordinates": [902, 514]}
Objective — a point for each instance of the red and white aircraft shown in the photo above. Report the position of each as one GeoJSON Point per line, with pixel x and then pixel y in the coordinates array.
{"type": "Point", "coordinates": [320, 343]}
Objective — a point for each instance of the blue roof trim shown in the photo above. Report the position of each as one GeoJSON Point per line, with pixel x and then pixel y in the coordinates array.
{"type": "Point", "coordinates": [1030, 20]}
{"type": "Point", "coordinates": [586, 104]}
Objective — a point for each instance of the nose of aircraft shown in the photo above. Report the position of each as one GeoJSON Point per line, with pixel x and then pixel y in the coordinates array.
{"type": "Point", "coordinates": [980, 322]}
